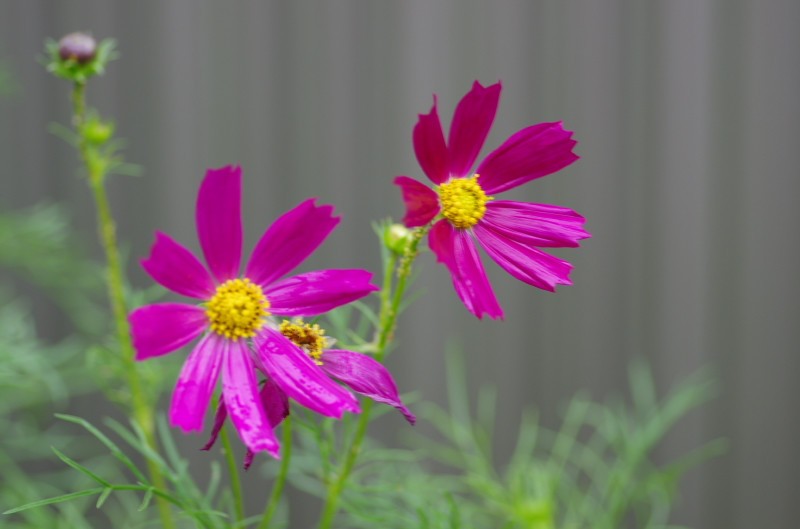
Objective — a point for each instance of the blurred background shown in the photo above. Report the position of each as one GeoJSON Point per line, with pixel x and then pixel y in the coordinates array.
{"type": "Point", "coordinates": [687, 116]}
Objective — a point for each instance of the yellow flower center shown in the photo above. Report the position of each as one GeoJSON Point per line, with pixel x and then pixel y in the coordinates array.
{"type": "Point", "coordinates": [309, 338]}
{"type": "Point", "coordinates": [237, 309]}
{"type": "Point", "coordinates": [463, 201]}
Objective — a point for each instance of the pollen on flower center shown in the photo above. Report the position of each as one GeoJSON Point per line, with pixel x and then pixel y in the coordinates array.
{"type": "Point", "coordinates": [463, 201]}
{"type": "Point", "coordinates": [237, 309]}
{"type": "Point", "coordinates": [309, 338]}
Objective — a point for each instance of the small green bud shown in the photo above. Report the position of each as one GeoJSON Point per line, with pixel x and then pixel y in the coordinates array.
{"type": "Point", "coordinates": [78, 47]}
{"type": "Point", "coordinates": [396, 238]}
{"type": "Point", "coordinates": [97, 131]}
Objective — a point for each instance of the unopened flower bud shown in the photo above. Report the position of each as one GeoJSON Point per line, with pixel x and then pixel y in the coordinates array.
{"type": "Point", "coordinates": [78, 47]}
{"type": "Point", "coordinates": [396, 238]}
{"type": "Point", "coordinates": [97, 131]}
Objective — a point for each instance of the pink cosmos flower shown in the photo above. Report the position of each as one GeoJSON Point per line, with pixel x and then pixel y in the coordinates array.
{"type": "Point", "coordinates": [231, 319]}
{"type": "Point", "coordinates": [362, 373]}
{"type": "Point", "coordinates": [464, 210]}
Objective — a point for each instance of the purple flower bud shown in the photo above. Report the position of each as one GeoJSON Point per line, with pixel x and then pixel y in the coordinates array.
{"type": "Point", "coordinates": [79, 47]}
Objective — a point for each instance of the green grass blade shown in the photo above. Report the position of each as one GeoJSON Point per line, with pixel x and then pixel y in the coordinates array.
{"type": "Point", "coordinates": [115, 450]}
{"type": "Point", "coordinates": [56, 499]}
{"type": "Point", "coordinates": [80, 468]}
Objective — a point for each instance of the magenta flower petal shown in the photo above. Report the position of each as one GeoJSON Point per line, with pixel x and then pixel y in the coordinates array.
{"type": "Point", "coordinates": [249, 455]}
{"type": "Point", "coordinates": [175, 267]}
{"type": "Point", "coordinates": [531, 153]}
{"type": "Point", "coordinates": [471, 123]}
{"type": "Point", "coordinates": [365, 375]}
{"type": "Point", "coordinates": [219, 421]}
{"type": "Point", "coordinates": [542, 225]}
{"type": "Point", "coordinates": [196, 384]}
{"type": "Point", "coordinates": [429, 146]}
{"type": "Point", "coordinates": [289, 240]}
{"type": "Point", "coordinates": [455, 249]}
{"type": "Point", "coordinates": [529, 265]}
{"type": "Point", "coordinates": [422, 202]}
{"type": "Point", "coordinates": [276, 408]}
{"type": "Point", "coordinates": [219, 221]}
{"type": "Point", "coordinates": [300, 378]}
{"type": "Point", "coordinates": [275, 403]}
{"type": "Point", "coordinates": [315, 293]}
{"type": "Point", "coordinates": [163, 327]}
{"type": "Point", "coordinates": [240, 389]}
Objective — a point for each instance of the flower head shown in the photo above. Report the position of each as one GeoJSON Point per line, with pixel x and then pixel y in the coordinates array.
{"type": "Point", "coordinates": [78, 47]}
{"type": "Point", "coordinates": [463, 208]}
{"type": "Point", "coordinates": [78, 57]}
{"type": "Point", "coordinates": [232, 315]}
{"type": "Point", "coordinates": [296, 338]}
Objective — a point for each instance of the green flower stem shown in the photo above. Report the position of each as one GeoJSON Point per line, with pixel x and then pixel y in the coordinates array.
{"type": "Point", "coordinates": [280, 480]}
{"type": "Point", "coordinates": [388, 322]}
{"type": "Point", "coordinates": [389, 313]}
{"type": "Point", "coordinates": [233, 469]}
{"type": "Point", "coordinates": [95, 167]}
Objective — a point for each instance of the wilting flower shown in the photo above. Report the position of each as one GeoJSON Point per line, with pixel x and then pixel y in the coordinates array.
{"type": "Point", "coordinates": [464, 208]}
{"type": "Point", "coordinates": [362, 373]}
{"type": "Point", "coordinates": [233, 314]}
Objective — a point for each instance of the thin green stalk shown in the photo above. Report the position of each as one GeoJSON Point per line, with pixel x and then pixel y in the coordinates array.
{"type": "Point", "coordinates": [392, 310]}
{"type": "Point", "coordinates": [388, 319]}
{"type": "Point", "coordinates": [116, 293]}
{"type": "Point", "coordinates": [233, 470]}
{"type": "Point", "coordinates": [280, 480]}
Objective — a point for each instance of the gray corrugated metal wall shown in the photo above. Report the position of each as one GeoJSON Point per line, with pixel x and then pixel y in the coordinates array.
{"type": "Point", "coordinates": [688, 118]}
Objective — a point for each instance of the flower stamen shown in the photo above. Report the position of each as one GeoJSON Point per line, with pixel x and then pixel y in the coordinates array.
{"type": "Point", "coordinates": [309, 338]}
{"type": "Point", "coordinates": [237, 309]}
{"type": "Point", "coordinates": [463, 201]}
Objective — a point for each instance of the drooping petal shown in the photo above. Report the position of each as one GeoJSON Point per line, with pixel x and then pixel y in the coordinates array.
{"type": "Point", "coordinates": [289, 240]}
{"type": "Point", "coordinates": [249, 455]}
{"type": "Point", "coordinates": [365, 375]}
{"type": "Point", "coordinates": [240, 389]}
{"type": "Point", "coordinates": [529, 265]}
{"type": "Point", "coordinates": [219, 221]}
{"type": "Point", "coordinates": [429, 146]}
{"type": "Point", "coordinates": [315, 293]}
{"type": "Point", "coordinates": [454, 248]}
{"type": "Point", "coordinates": [543, 225]}
{"type": "Point", "coordinates": [219, 421]}
{"type": "Point", "coordinates": [164, 327]}
{"type": "Point", "coordinates": [176, 268]}
{"type": "Point", "coordinates": [276, 405]}
{"type": "Point", "coordinates": [422, 202]}
{"type": "Point", "coordinates": [471, 123]}
{"type": "Point", "coordinates": [196, 384]}
{"type": "Point", "coordinates": [300, 378]}
{"type": "Point", "coordinates": [533, 152]}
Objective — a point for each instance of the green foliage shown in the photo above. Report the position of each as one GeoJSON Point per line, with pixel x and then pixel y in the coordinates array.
{"type": "Point", "coordinates": [34, 378]}
{"type": "Point", "coordinates": [32, 375]}
{"type": "Point", "coordinates": [39, 376]}
{"type": "Point", "coordinates": [596, 471]}
{"type": "Point", "coordinates": [37, 245]}
{"type": "Point", "coordinates": [194, 504]}
{"type": "Point", "coordinates": [103, 152]}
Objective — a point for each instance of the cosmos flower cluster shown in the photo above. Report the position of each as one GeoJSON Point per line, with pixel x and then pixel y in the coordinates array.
{"type": "Point", "coordinates": [250, 326]}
